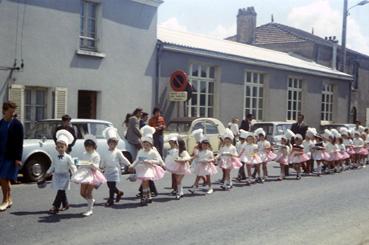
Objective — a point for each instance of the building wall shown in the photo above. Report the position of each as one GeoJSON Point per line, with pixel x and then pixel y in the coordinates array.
{"type": "Point", "coordinates": [230, 82]}
{"type": "Point", "coordinates": [51, 38]}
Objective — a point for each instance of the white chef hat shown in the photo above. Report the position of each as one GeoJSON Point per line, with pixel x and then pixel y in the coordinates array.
{"type": "Point", "coordinates": [243, 134]}
{"type": "Point", "coordinates": [228, 134]}
{"type": "Point", "coordinates": [327, 133]}
{"type": "Point", "coordinates": [90, 137]}
{"type": "Point", "coordinates": [173, 137]}
{"type": "Point", "coordinates": [147, 133]}
{"type": "Point", "coordinates": [311, 132]}
{"type": "Point", "coordinates": [335, 133]}
{"type": "Point", "coordinates": [361, 129]}
{"type": "Point", "coordinates": [111, 133]}
{"type": "Point", "coordinates": [343, 130]}
{"type": "Point", "coordinates": [260, 131]}
{"type": "Point", "coordinates": [249, 134]}
{"type": "Point", "coordinates": [298, 136]}
{"type": "Point", "coordinates": [64, 136]}
{"type": "Point", "coordinates": [198, 134]}
{"type": "Point", "coordinates": [290, 134]}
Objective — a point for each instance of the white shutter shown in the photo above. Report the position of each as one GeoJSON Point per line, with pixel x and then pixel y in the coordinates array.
{"type": "Point", "coordinates": [60, 106]}
{"type": "Point", "coordinates": [16, 95]}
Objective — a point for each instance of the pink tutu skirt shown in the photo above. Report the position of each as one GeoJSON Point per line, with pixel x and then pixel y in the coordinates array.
{"type": "Point", "coordinates": [253, 160]}
{"type": "Point", "coordinates": [350, 151]}
{"type": "Point", "coordinates": [282, 159]}
{"type": "Point", "coordinates": [268, 156]}
{"type": "Point", "coordinates": [88, 176]}
{"type": "Point", "coordinates": [230, 163]}
{"type": "Point", "coordinates": [152, 172]}
{"type": "Point", "coordinates": [321, 156]}
{"type": "Point", "coordinates": [298, 158]}
{"type": "Point", "coordinates": [363, 151]}
{"type": "Point", "coordinates": [335, 156]}
{"type": "Point", "coordinates": [345, 155]}
{"type": "Point", "coordinates": [203, 169]}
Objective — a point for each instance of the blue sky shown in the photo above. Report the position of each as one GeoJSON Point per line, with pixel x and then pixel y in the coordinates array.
{"type": "Point", "coordinates": [218, 17]}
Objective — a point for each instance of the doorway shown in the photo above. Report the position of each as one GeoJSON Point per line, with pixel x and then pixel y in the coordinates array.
{"type": "Point", "coordinates": [87, 104]}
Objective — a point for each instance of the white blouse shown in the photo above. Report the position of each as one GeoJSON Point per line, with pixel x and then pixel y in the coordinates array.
{"type": "Point", "coordinates": [152, 156]}
{"type": "Point", "coordinates": [62, 166]}
{"type": "Point", "coordinates": [113, 160]}
{"type": "Point", "coordinates": [93, 158]}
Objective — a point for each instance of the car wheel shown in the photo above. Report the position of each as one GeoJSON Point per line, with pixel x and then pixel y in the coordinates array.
{"type": "Point", "coordinates": [35, 168]}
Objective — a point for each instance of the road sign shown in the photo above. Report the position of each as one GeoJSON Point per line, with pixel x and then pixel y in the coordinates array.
{"type": "Point", "coordinates": [177, 96]}
{"type": "Point", "coordinates": [178, 81]}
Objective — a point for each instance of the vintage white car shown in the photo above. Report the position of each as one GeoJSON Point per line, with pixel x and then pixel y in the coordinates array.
{"type": "Point", "coordinates": [213, 129]}
{"type": "Point", "coordinates": [39, 146]}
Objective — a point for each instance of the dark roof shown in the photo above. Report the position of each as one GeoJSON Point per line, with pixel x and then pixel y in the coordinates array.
{"type": "Point", "coordinates": [278, 33]}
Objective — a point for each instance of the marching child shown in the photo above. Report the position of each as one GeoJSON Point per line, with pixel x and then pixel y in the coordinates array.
{"type": "Point", "coordinates": [204, 164]}
{"type": "Point", "coordinates": [308, 144]}
{"type": "Point", "coordinates": [282, 155]}
{"type": "Point", "coordinates": [170, 163]}
{"type": "Point", "coordinates": [358, 146]}
{"type": "Point", "coordinates": [112, 162]}
{"type": "Point", "coordinates": [265, 151]}
{"type": "Point", "coordinates": [60, 166]}
{"type": "Point", "coordinates": [198, 136]}
{"type": "Point", "coordinates": [334, 151]}
{"type": "Point", "coordinates": [319, 153]}
{"type": "Point", "coordinates": [228, 158]}
{"type": "Point", "coordinates": [347, 142]}
{"type": "Point", "coordinates": [297, 156]}
{"type": "Point", "coordinates": [242, 140]}
{"type": "Point", "coordinates": [148, 164]}
{"type": "Point", "coordinates": [345, 156]}
{"type": "Point", "coordinates": [249, 155]}
{"type": "Point", "coordinates": [88, 173]}
{"type": "Point", "coordinates": [181, 166]}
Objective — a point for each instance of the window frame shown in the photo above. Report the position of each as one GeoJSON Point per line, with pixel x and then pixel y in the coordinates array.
{"type": "Point", "coordinates": [194, 110]}
{"type": "Point", "coordinates": [84, 35]}
{"type": "Point", "coordinates": [33, 105]}
{"type": "Point", "coordinates": [259, 111]}
{"type": "Point", "coordinates": [294, 90]}
{"type": "Point", "coordinates": [327, 102]}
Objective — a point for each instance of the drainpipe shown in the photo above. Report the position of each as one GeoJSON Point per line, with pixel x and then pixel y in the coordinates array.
{"type": "Point", "coordinates": [349, 102]}
{"type": "Point", "coordinates": [159, 46]}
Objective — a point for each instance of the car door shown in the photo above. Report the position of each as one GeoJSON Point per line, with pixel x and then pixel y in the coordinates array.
{"type": "Point", "coordinates": [81, 130]}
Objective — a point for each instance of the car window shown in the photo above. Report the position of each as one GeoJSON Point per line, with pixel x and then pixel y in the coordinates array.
{"type": "Point", "coordinates": [42, 130]}
{"type": "Point", "coordinates": [178, 127]}
{"type": "Point", "coordinates": [97, 129]}
{"type": "Point", "coordinates": [198, 125]}
{"type": "Point", "coordinates": [268, 128]}
{"type": "Point", "coordinates": [211, 128]}
{"type": "Point", "coordinates": [282, 128]}
{"type": "Point", "coordinates": [80, 129]}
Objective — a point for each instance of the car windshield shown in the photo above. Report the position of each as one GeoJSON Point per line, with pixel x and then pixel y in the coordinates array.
{"type": "Point", "coordinates": [282, 128]}
{"type": "Point", "coordinates": [178, 126]}
{"type": "Point", "coordinates": [42, 130]}
{"type": "Point", "coordinates": [267, 127]}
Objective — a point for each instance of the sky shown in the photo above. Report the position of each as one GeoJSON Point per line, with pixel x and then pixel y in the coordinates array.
{"type": "Point", "coordinates": [218, 17]}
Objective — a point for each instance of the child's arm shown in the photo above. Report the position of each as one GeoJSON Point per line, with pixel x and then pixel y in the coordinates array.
{"type": "Point", "coordinates": [185, 157]}
{"type": "Point", "coordinates": [123, 161]}
{"type": "Point", "coordinates": [71, 165]}
{"type": "Point", "coordinates": [51, 169]}
{"type": "Point", "coordinates": [95, 162]}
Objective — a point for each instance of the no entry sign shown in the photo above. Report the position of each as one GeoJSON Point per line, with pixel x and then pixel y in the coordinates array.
{"type": "Point", "coordinates": [179, 81]}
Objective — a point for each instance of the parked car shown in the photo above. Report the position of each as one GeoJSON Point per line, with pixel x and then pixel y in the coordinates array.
{"type": "Point", "coordinates": [39, 145]}
{"type": "Point", "coordinates": [212, 127]}
{"type": "Point", "coordinates": [273, 130]}
{"type": "Point", "coordinates": [337, 126]}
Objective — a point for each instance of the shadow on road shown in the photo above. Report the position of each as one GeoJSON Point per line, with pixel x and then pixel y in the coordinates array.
{"type": "Point", "coordinates": [58, 217]}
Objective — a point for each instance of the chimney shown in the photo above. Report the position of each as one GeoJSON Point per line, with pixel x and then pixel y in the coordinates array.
{"type": "Point", "coordinates": [334, 53]}
{"type": "Point", "coordinates": [246, 25]}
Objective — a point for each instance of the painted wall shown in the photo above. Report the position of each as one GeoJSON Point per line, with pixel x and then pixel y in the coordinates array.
{"type": "Point", "coordinates": [50, 40]}
{"type": "Point", "coordinates": [231, 89]}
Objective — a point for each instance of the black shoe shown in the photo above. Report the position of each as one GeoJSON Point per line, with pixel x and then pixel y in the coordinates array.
{"type": "Point", "coordinates": [119, 196]}
{"type": "Point", "coordinates": [109, 203]}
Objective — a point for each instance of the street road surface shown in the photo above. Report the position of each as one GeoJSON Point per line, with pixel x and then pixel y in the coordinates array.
{"type": "Point", "coordinates": [332, 209]}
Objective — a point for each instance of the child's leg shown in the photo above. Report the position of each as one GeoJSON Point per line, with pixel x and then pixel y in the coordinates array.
{"type": "Point", "coordinates": [64, 199]}
{"type": "Point", "coordinates": [111, 190]}
{"type": "Point", "coordinates": [265, 170]}
{"type": "Point", "coordinates": [281, 177]}
{"type": "Point", "coordinates": [298, 169]}
{"type": "Point", "coordinates": [248, 167]}
{"type": "Point", "coordinates": [179, 184]}
{"type": "Point", "coordinates": [152, 187]}
{"type": "Point", "coordinates": [174, 184]}
{"type": "Point", "coordinates": [257, 170]}
{"type": "Point", "coordinates": [208, 178]}
{"type": "Point", "coordinates": [224, 178]}
{"type": "Point", "coordinates": [58, 200]}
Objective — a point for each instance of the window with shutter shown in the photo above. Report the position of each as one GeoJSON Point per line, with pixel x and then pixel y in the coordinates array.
{"type": "Point", "coordinates": [60, 106]}
{"type": "Point", "coordinates": [16, 94]}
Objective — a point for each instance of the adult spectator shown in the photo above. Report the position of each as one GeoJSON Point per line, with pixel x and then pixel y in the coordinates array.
{"type": "Point", "coordinates": [133, 134]}
{"type": "Point", "coordinates": [247, 122]}
{"type": "Point", "coordinates": [144, 118]}
{"type": "Point", "coordinates": [67, 126]}
{"type": "Point", "coordinates": [299, 127]}
{"type": "Point", "coordinates": [11, 149]}
{"type": "Point", "coordinates": [158, 122]}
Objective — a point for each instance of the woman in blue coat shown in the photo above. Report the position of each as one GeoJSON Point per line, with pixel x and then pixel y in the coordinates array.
{"type": "Point", "coordinates": [11, 148]}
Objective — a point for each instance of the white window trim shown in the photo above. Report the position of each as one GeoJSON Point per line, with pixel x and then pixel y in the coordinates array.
{"type": "Point", "coordinates": [294, 90]}
{"type": "Point", "coordinates": [258, 85]}
{"type": "Point", "coordinates": [325, 112]}
{"type": "Point", "coordinates": [208, 80]}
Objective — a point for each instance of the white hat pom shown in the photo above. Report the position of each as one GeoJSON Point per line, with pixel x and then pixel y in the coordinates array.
{"type": "Point", "coordinates": [335, 133]}
{"type": "Point", "coordinates": [228, 134]}
{"type": "Point", "coordinates": [198, 134]}
{"type": "Point", "coordinates": [290, 134]}
{"type": "Point", "coordinates": [243, 134]}
{"type": "Point", "coordinates": [298, 136]}
{"type": "Point", "coordinates": [260, 131]}
{"type": "Point", "coordinates": [327, 133]}
{"type": "Point", "coordinates": [64, 136]}
{"type": "Point", "coordinates": [111, 133]}
{"type": "Point", "coordinates": [311, 132]}
{"type": "Point", "coordinates": [147, 130]}
{"type": "Point", "coordinates": [173, 137]}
